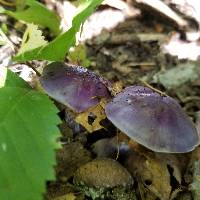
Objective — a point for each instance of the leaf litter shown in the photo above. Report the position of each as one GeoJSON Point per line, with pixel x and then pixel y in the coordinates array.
{"type": "Point", "coordinates": [136, 53]}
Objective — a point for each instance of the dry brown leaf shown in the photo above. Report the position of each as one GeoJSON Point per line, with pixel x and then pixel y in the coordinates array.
{"type": "Point", "coordinates": [175, 193]}
{"type": "Point", "coordinates": [195, 155]}
{"type": "Point", "coordinates": [97, 113]}
{"type": "Point", "coordinates": [116, 88]}
{"type": "Point", "coordinates": [152, 172]}
{"type": "Point", "coordinates": [69, 196]}
{"type": "Point", "coordinates": [169, 160]}
{"type": "Point", "coordinates": [70, 158]}
{"type": "Point", "coordinates": [145, 193]}
{"type": "Point", "coordinates": [173, 161]}
{"type": "Point", "coordinates": [157, 172]}
{"type": "Point", "coordinates": [58, 191]}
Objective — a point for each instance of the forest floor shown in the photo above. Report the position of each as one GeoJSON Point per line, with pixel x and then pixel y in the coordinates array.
{"type": "Point", "coordinates": [145, 47]}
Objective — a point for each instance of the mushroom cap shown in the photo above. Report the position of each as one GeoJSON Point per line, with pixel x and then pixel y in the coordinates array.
{"type": "Point", "coordinates": [103, 173]}
{"type": "Point", "coordinates": [156, 122]}
{"type": "Point", "coordinates": [73, 86]}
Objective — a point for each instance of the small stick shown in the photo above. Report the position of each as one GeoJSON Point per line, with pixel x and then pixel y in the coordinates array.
{"type": "Point", "coordinates": [117, 156]}
{"type": "Point", "coordinates": [154, 89]}
{"type": "Point", "coordinates": [33, 68]}
{"type": "Point", "coordinates": [5, 3]}
{"type": "Point", "coordinates": [191, 98]}
{"type": "Point", "coordinates": [28, 64]}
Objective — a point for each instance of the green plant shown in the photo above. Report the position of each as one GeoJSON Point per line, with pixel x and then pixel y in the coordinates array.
{"type": "Point", "coordinates": [57, 49]}
{"type": "Point", "coordinates": [28, 130]}
{"type": "Point", "coordinates": [31, 11]}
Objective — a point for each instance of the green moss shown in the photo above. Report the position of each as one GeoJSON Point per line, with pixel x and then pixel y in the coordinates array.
{"type": "Point", "coordinates": [117, 193]}
{"type": "Point", "coordinates": [120, 193]}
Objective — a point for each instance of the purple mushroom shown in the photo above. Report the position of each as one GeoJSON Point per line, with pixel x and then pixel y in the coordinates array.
{"type": "Point", "coordinates": [156, 122]}
{"type": "Point", "coordinates": [73, 86]}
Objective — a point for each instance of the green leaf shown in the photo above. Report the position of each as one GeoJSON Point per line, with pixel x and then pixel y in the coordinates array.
{"type": "Point", "coordinates": [59, 47]}
{"type": "Point", "coordinates": [78, 56]}
{"type": "Point", "coordinates": [20, 4]}
{"type": "Point", "coordinates": [12, 80]}
{"type": "Point", "coordinates": [37, 13]}
{"type": "Point", "coordinates": [32, 39]}
{"type": "Point", "coordinates": [28, 132]}
{"type": "Point", "coordinates": [2, 10]}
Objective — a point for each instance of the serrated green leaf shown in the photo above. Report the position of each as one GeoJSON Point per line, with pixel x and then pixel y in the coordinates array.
{"type": "Point", "coordinates": [37, 13]}
{"type": "Point", "coordinates": [59, 47]}
{"type": "Point", "coordinates": [28, 132]}
{"type": "Point", "coordinates": [12, 80]}
{"type": "Point", "coordinates": [32, 39]}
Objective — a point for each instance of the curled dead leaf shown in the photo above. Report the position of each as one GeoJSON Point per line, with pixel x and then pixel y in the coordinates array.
{"type": "Point", "coordinates": [91, 118]}
{"type": "Point", "coordinates": [69, 196]}
{"type": "Point", "coordinates": [152, 173]}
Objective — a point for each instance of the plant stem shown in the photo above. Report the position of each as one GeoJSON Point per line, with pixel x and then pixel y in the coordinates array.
{"type": "Point", "coordinates": [154, 89]}
{"type": "Point", "coordinates": [33, 68]}
{"type": "Point", "coordinates": [5, 3]}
